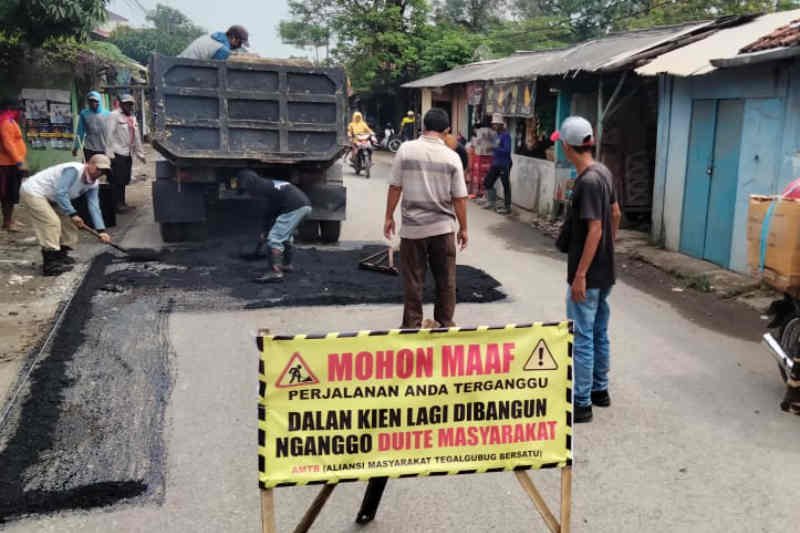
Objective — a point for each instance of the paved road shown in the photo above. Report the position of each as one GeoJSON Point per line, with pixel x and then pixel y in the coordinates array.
{"type": "Point", "coordinates": [694, 440]}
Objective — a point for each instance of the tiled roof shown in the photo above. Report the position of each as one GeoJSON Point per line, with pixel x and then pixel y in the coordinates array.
{"type": "Point", "coordinates": [784, 36]}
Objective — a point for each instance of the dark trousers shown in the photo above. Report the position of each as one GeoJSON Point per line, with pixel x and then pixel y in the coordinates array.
{"type": "Point", "coordinates": [416, 255]}
{"type": "Point", "coordinates": [503, 174]}
{"type": "Point", "coordinates": [88, 154]}
{"type": "Point", "coordinates": [121, 167]}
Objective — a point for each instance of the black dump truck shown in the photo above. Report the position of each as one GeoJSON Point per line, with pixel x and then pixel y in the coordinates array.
{"type": "Point", "coordinates": [214, 118]}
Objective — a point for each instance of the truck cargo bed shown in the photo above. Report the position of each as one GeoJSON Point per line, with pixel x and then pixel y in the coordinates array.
{"type": "Point", "coordinates": [240, 113]}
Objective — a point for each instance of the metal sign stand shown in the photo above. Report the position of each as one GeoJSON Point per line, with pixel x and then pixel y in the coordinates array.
{"type": "Point", "coordinates": [376, 486]}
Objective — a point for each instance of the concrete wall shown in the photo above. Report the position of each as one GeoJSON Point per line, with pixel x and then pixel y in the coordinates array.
{"type": "Point", "coordinates": [427, 100]}
{"type": "Point", "coordinates": [532, 184]}
{"type": "Point", "coordinates": [769, 156]}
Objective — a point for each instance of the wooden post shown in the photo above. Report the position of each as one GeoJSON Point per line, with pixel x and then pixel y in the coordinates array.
{"type": "Point", "coordinates": [538, 501]}
{"type": "Point", "coordinates": [268, 512]}
{"type": "Point", "coordinates": [566, 498]}
{"type": "Point", "coordinates": [313, 511]}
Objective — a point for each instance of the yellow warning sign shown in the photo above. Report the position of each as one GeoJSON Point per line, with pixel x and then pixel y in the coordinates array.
{"type": "Point", "coordinates": [296, 374]}
{"type": "Point", "coordinates": [541, 358]}
{"type": "Point", "coordinates": [404, 403]}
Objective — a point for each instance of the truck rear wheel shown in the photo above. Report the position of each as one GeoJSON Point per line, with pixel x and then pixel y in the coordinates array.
{"type": "Point", "coordinates": [308, 231]}
{"type": "Point", "coordinates": [172, 232]}
{"type": "Point", "coordinates": [331, 229]}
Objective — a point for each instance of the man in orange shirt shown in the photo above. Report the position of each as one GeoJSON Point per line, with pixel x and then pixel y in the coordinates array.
{"type": "Point", "coordinates": [12, 158]}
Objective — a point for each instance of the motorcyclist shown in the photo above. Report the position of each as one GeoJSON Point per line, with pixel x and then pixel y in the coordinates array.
{"type": "Point", "coordinates": [357, 126]}
{"type": "Point", "coordinates": [407, 126]}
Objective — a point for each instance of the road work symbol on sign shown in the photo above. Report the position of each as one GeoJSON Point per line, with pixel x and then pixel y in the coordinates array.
{"type": "Point", "coordinates": [296, 374]}
{"type": "Point", "coordinates": [541, 358]}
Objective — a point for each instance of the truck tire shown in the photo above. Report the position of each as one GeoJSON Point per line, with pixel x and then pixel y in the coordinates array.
{"type": "Point", "coordinates": [195, 231]}
{"type": "Point", "coordinates": [331, 229]}
{"type": "Point", "coordinates": [172, 232]}
{"type": "Point", "coordinates": [308, 231]}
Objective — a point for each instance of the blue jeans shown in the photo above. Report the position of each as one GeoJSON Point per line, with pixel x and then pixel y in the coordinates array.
{"type": "Point", "coordinates": [591, 348]}
{"type": "Point", "coordinates": [283, 229]}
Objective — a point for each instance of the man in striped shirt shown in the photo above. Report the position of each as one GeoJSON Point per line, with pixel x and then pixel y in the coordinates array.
{"type": "Point", "coordinates": [429, 177]}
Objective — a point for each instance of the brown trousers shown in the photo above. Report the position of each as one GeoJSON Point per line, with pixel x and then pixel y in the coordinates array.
{"type": "Point", "coordinates": [438, 252]}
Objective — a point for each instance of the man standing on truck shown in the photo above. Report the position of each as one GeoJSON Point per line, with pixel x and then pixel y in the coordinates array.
{"type": "Point", "coordinates": [218, 45]}
{"type": "Point", "coordinates": [287, 206]}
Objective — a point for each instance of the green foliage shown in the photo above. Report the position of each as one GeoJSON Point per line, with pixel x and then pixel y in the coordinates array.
{"type": "Point", "coordinates": [38, 20]}
{"type": "Point", "coordinates": [446, 49]}
{"type": "Point", "coordinates": [172, 31]}
{"type": "Point", "coordinates": [83, 57]}
{"type": "Point", "coordinates": [475, 15]}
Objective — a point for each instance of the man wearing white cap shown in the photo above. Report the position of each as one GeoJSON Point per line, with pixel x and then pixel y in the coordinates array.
{"type": "Point", "coordinates": [124, 142]}
{"type": "Point", "coordinates": [501, 167]}
{"type": "Point", "coordinates": [48, 197]}
{"type": "Point", "coordinates": [588, 238]}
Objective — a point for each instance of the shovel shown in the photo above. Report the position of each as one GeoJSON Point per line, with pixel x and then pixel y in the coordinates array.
{"type": "Point", "coordinates": [134, 254]}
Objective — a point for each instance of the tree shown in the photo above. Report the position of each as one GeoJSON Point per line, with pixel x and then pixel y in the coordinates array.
{"type": "Point", "coordinates": [35, 21]}
{"type": "Point", "coordinates": [378, 41]}
{"type": "Point", "coordinates": [171, 33]}
{"type": "Point", "coordinates": [475, 15]}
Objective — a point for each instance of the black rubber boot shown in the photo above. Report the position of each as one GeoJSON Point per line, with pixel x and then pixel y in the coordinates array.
{"type": "Point", "coordinates": [275, 273]}
{"type": "Point", "coordinates": [52, 264]}
{"type": "Point", "coordinates": [288, 256]}
{"type": "Point", "coordinates": [63, 255]}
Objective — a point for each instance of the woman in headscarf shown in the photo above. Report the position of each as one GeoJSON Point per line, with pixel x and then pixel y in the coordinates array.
{"type": "Point", "coordinates": [12, 159]}
{"type": "Point", "coordinates": [357, 126]}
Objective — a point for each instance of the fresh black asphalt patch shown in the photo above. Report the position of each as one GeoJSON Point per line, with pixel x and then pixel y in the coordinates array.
{"type": "Point", "coordinates": [90, 431]}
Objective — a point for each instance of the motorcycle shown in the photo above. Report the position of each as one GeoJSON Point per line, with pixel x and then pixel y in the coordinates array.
{"type": "Point", "coordinates": [363, 157]}
{"type": "Point", "coordinates": [389, 140]}
{"type": "Point", "coordinates": [783, 342]}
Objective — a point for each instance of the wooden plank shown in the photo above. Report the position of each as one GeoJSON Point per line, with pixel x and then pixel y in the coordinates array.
{"type": "Point", "coordinates": [538, 501]}
{"type": "Point", "coordinates": [314, 510]}
{"type": "Point", "coordinates": [268, 512]}
{"type": "Point", "coordinates": [566, 498]}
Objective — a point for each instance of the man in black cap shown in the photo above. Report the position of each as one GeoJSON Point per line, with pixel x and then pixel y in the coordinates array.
{"type": "Point", "coordinates": [287, 206]}
{"type": "Point", "coordinates": [218, 45]}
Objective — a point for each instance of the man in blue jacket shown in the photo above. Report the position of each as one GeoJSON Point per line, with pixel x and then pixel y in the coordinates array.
{"type": "Point", "coordinates": [501, 167]}
{"type": "Point", "coordinates": [91, 133]}
{"type": "Point", "coordinates": [218, 45]}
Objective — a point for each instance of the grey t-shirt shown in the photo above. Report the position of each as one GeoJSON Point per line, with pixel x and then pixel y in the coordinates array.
{"type": "Point", "coordinates": [592, 199]}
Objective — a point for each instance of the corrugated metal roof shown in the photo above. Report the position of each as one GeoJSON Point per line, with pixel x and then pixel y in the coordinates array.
{"type": "Point", "coordinates": [788, 35]}
{"type": "Point", "coordinates": [695, 59]}
{"type": "Point", "coordinates": [608, 53]}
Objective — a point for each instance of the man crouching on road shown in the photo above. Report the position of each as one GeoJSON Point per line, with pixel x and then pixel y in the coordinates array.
{"type": "Point", "coordinates": [430, 178]}
{"type": "Point", "coordinates": [287, 206]}
{"type": "Point", "coordinates": [593, 220]}
{"type": "Point", "coordinates": [48, 197]}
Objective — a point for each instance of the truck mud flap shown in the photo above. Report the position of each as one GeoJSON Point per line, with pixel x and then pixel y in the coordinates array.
{"type": "Point", "coordinates": [328, 200]}
{"type": "Point", "coordinates": [172, 204]}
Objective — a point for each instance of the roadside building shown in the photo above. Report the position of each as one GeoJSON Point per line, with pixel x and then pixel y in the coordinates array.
{"type": "Point", "coordinates": [536, 90]}
{"type": "Point", "coordinates": [728, 127]}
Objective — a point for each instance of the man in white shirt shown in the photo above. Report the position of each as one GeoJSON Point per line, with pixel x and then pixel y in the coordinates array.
{"type": "Point", "coordinates": [48, 197]}
{"type": "Point", "coordinates": [124, 141]}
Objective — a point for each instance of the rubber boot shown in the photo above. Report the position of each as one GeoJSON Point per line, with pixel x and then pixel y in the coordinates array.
{"type": "Point", "coordinates": [288, 256]}
{"type": "Point", "coordinates": [63, 255]}
{"type": "Point", "coordinates": [275, 273]}
{"type": "Point", "coordinates": [52, 264]}
{"type": "Point", "coordinates": [491, 198]}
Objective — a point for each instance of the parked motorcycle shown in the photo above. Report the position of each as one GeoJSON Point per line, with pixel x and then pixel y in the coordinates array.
{"type": "Point", "coordinates": [783, 342]}
{"type": "Point", "coordinates": [363, 157]}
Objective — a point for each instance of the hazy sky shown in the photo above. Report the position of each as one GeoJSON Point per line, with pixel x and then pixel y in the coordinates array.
{"type": "Point", "coordinates": [260, 17]}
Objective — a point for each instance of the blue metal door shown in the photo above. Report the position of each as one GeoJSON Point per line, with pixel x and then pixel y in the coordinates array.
{"type": "Point", "coordinates": [712, 174]}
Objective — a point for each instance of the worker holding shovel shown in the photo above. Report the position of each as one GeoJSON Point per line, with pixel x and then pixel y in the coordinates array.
{"type": "Point", "coordinates": [287, 206]}
{"type": "Point", "coordinates": [48, 197]}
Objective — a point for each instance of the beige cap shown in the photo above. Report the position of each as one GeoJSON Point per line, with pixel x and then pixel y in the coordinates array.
{"type": "Point", "coordinates": [497, 118]}
{"type": "Point", "coordinates": [126, 98]}
{"type": "Point", "coordinates": [101, 161]}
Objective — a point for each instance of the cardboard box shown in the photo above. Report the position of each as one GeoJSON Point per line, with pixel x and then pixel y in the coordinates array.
{"type": "Point", "coordinates": [782, 260]}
